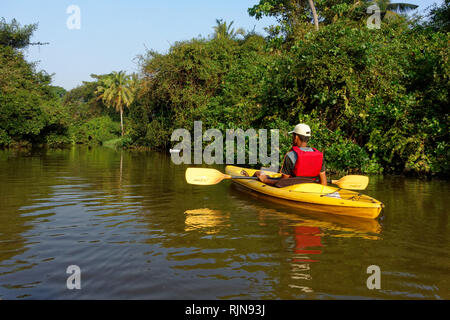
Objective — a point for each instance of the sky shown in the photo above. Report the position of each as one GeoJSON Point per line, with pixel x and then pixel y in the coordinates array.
{"type": "Point", "coordinates": [113, 32]}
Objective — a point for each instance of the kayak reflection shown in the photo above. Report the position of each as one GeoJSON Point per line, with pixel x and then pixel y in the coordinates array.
{"type": "Point", "coordinates": [298, 216]}
{"type": "Point", "coordinates": [307, 245]}
{"type": "Point", "coordinates": [305, 238]}
{"type": "Point", "coordinates": [306, 233]}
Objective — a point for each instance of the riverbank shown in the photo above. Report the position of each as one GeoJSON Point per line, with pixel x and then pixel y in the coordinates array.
{"type": "Point", "coordinates": [30, 150]}
{"type": "Point", "coordinates": [375, 99]}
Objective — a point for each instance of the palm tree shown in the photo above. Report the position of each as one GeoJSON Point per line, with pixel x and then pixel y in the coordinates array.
{"type": "Point", "coordinates": [117, 90]}
{"type": "Point", "coordinates": [222, 30]}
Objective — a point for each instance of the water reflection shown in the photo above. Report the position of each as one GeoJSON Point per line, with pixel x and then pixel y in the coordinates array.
{"type": "Point", "coordinates": [305, 232]}
{"type": "Point", "coordinates": [305, 238]}
{"type": "Point", "coordinates": [206, 220]}
{"type": "Point", "coordinates": [307, 242]}
{"type": "Point", "coordinates": [336, 226]}
{"type": "Point", "coordinates": [131, 221]}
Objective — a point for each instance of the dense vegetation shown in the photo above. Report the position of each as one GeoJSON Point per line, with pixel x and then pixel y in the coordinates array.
{"type": "Point", "coordinates": [376, 99]}
{"type": "Point", "coordinates": [30, 108]}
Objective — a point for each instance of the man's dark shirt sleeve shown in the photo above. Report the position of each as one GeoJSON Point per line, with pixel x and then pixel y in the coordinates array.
{"type": "Point", "coordinates": [288, 167]}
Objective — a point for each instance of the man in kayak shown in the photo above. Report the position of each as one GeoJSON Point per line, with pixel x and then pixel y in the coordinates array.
{"type": "Point", "coordinates": [302, 164]}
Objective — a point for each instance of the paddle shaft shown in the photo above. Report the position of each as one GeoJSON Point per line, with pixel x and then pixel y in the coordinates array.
{"type": "Point", "coordinates": [255, 178]}
{"type": "Point", "coordinates": [241, 177]}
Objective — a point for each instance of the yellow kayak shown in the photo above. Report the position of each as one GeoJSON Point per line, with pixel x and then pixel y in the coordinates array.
{"type": "Point", "coordinates": [314, 196]}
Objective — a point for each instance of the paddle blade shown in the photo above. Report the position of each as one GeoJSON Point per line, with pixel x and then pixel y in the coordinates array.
{"type": "Point", "coordinates": [353, 182]}
{"type": "Point", "coordinates": [204, 176]}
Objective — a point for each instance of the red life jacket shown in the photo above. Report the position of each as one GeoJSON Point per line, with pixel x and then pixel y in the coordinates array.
{"type": "Point", "coordinates": [308, 163]}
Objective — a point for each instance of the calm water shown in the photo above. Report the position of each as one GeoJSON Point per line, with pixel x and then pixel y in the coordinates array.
{"type": "Point", "coordinates": [138, 231]}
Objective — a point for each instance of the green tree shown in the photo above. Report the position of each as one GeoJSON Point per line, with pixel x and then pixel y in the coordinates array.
{"type": "Point", "coordinates": [439, 17]}
{"type": "Point", "coordinates": [294, 16]}
{"type": "Point", "coordinates": [30, 109]}
{"type": "Point", "coordinates": [289, 13]}
{"type": "Point", "coordinates": [117, 90]}
{"type": "Point", "coordinates": [222, 30]}
{"type": "Point", "coordinates": [15, 36]}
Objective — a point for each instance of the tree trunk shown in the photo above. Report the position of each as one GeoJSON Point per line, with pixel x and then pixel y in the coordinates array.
{"type": "Point", "coordinates": [121, 120]}
{"type": "Point", "coordinates": [313, 9]}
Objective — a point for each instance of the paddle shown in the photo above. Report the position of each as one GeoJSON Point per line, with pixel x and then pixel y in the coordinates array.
{"type": "Point", "coordinates": [353, 182]}
{"type": "Point", "coordinates": [207, 176]}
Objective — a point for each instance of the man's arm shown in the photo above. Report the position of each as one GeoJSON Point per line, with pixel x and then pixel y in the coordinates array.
{"type": "Point", "coordinates": [285, 171]}
{"type": "Point", "coordinates": [322, 174]}
{"type": "Point", "coordinates": [269, 181]}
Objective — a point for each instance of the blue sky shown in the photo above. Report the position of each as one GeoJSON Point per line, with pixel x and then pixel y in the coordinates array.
{"type": "Point", "coordinates": [114, 32]}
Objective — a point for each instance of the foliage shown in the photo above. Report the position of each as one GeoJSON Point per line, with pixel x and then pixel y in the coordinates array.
{"type": "Point", "coordinates": [386, 90]}
{"type": "Point", "coordinates": [376, 99]}
{"type": "Point", "coordinates": [179, 85]}
{"type": "Point", "coordinates": [439, 17]}
{"type": "Point", "coordinates": [58, 92]}
{"type": "Point", "coordinates": [118, 143]}
{"type": "Point", "coordinates": [215, 81]}
{"type": "Point", "coordinates": [92, 123]}
{"type": "Point", "coordinates": [14, 36]}
{"type": "Point", "coordinates": [29, 108]}
{"type": "Point", "coordinates": [95, 131]}
{"type": "Point", "coordinates": [293, 16]}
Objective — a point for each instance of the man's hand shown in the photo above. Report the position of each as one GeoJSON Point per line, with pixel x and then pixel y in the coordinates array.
{"type": "Point", "coordinates": [261, 176]}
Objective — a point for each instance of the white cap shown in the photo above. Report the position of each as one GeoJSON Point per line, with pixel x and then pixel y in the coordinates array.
{"type": "Point", "coordinates": [302, 129]}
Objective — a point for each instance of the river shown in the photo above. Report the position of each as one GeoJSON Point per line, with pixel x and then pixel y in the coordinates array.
{"type": "Point", "coordinates": [137, 230]}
